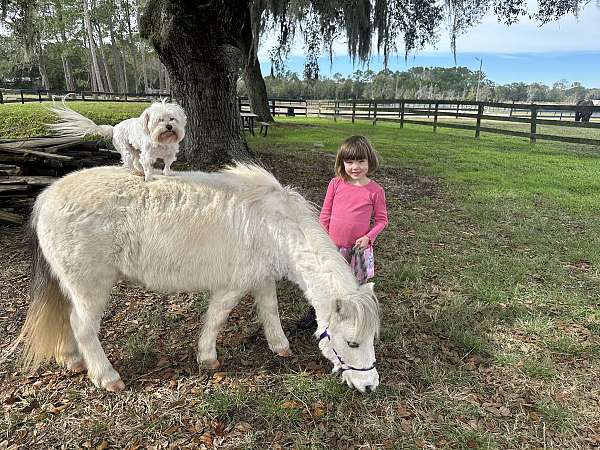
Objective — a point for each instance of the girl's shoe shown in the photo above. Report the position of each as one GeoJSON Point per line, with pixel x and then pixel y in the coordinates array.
{"type": "Point", "coordinates": [309, 320]}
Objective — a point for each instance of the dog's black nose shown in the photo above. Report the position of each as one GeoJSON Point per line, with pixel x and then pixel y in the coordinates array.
{"type": "Point", "coordinates": [169, 127]}
{"type": "Point", "coordinates": [368, 388]}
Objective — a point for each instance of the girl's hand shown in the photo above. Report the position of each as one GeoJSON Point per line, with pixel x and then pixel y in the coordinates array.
{"type": "Point", "coordinates": [362, 242]}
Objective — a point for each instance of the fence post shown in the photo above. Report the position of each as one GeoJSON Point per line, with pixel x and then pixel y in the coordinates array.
{"type": "Point", "coordinates": [435, 117]}
{"type": "Point", "coordinates": [353, 109]}
{"type": "Point", "coordinates": [457, 109]}
{"type": "Point", "coordinates": [273, 106]}
{"type": "Point", "coordinates": [22, 99]}
{"type": "Point", "coordinates": [402, 115]}
{"type": "Point", "coordinates": [478, 125]}
{"type": "Point", "coordinates": [335, 104]}
{"type": "Point", "coordinates": [125, 95]}
{"type": "Point", "coordinates": [319, 103]}
{"type": "Point", "coordinates": [428, 110]}
{"type": "Point", "coordinates": [83, 97]}
{"type": "Point", "coordinates": [532, 137]}
{"type": "Point", "coordinates": [374, 113]}
{"type": "Point", "coordinates": [305, 108]}
{"type": "Point", "coordinates": [369, 112]}
{"type": "Point", "coordinates": [39, 96]}
{"type": "Point", "coordinates": [511, 109]}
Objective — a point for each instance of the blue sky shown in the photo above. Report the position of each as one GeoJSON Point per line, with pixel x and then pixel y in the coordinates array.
{"type": "Point", "coordinates": [565, 50]}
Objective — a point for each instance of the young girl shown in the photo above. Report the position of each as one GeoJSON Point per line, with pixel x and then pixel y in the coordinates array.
{"type": "Point", "coordinates": [351, 200]}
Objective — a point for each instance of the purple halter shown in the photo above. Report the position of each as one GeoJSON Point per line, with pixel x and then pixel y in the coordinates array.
{"type": "Point", "coordinates": [325, 334]}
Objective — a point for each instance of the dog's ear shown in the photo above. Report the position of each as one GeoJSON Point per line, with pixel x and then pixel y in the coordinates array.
{"type": "Point", "coordinates": [144, 119]}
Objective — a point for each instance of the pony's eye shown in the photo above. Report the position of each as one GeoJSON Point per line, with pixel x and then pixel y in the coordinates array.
{"type": "Point", "coordinates": [172, 119]}
{"type": "Point", "coordinates": [352, 344]}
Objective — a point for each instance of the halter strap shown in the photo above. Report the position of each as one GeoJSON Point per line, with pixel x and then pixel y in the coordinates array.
{"type": "Point", "coordinates": [325, 334]}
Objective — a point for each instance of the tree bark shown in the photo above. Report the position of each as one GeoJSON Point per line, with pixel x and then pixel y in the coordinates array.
{"type": "Point", "coordinates": [198, 42]}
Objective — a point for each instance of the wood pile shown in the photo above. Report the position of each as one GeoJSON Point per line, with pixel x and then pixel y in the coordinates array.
{"type": "Point", "coordinates": [27, 166]}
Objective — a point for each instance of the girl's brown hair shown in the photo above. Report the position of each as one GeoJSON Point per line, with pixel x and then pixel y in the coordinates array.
{"type": "Point", "coordinates": [355, 147]}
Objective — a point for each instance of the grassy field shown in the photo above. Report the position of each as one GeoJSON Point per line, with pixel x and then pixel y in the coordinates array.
{"type": "Point", "coordinates": [488, 281]}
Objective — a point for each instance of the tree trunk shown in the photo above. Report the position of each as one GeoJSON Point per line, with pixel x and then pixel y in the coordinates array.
{"type": "Point", "coordinates": [257, 90]}
{"type": "Point", "coordinates": [142, 52]}
{"type": "Point", "coordinates": [104, 60]}
{"type": "Point", "coordinates": [198, 42]}
{"type": "Point", "coordinates": [131, 46]}
{"type": "Point", "coordinates": [125, 80]}
{"type": "Point", "coordinates": [118, 63]}
{"type": "Point", "coordinates": [255, 83]}
{"type": "Point", "coordinates": [68, 71]}
{"type": "Point", "coordinates": [161, 78]}
{"type": "Point", "coordinates": [42, 68]}
{"type": "Point", "coordinates": [90, 33]}
{"type": "Point", "coordinates": [144, 68]}
{"type": "Point", "coordinates": [167, 80]}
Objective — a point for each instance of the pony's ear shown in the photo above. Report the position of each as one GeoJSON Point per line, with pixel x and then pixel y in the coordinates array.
{"type": "Point", "coordinates": [144, 119]}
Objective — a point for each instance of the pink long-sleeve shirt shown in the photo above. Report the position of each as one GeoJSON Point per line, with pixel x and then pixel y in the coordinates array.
{"type": "Point", "coordinates": [347, 211]}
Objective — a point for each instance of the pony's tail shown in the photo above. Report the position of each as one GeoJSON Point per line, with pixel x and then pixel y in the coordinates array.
{"type": "Point", "coordinates": [73, 124]}
{"type": "Point", "coordinates": [46, 326]}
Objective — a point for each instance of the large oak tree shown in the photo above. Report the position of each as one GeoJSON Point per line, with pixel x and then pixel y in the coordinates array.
{"type": "Point", "coordinates": [201, 43]}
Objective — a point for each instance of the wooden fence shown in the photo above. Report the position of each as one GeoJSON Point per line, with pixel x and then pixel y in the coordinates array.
{"type": "Point", "coordinates": [460, 113]}
{"type": "Point", "coordinates": [279, 106]}
{"type": "Point", "coordinates": [42, 95]}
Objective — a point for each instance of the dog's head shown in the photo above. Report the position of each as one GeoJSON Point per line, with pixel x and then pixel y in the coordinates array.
{"type": "Point", "coordinates": [164, 122]}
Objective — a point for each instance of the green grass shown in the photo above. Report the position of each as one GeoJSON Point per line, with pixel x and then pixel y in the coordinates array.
{"type": "Point", "coordinates": [20, 121]}
{"type": "Point", "coordinates": [488, 278]}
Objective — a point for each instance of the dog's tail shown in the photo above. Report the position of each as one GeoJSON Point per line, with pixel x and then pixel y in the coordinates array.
{"type": "Point", "coordinates": [74, 124]}
{"type": "Point", "coordinates": [46, 328]}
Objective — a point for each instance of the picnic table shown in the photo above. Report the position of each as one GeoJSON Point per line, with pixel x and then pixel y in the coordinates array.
{"type": "Point", "coordinates": [248, 121]}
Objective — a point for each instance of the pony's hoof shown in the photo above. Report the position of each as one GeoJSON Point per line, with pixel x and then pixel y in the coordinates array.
{"type": "Point", "coordinates": [77, 366]}
{"type": "Point", "coordinates": [285, 353]}
{"type": "Point", "coordinates": [211, 364]}
{"type": "Point", "coordinates": [115, 386]}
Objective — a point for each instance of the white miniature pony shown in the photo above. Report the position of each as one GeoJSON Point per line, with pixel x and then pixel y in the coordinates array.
{"type": "Point", "coordinates": [231, 232]}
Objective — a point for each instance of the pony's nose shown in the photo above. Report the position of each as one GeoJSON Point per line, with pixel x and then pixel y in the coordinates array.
{"type": "Point", "coordinates": [368, 388]}
{"type": "Point", "coordinates": [169, 127]}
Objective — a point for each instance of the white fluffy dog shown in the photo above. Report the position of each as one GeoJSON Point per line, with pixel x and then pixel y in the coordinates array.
{"type": "Point", "coordinates": [140, 140]}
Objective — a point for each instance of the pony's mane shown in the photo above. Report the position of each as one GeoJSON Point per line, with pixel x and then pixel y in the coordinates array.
{"type": "Point", "coordinates": [364, 310]}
